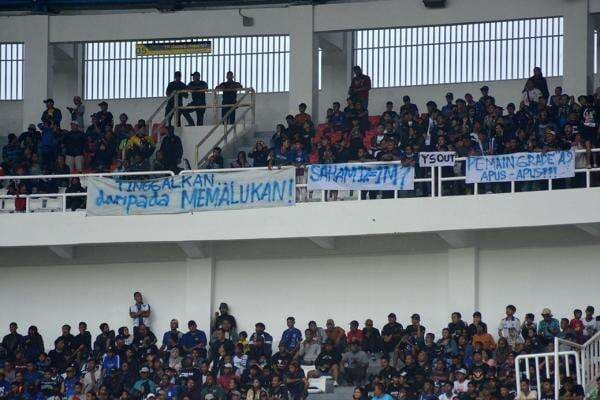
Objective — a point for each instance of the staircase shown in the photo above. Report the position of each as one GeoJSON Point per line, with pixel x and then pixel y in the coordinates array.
{"type": "Point", "coordinates": [199, 141]}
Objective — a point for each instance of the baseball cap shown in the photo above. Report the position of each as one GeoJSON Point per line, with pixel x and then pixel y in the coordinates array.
{"type": "Point", "coordinates": [144, 369]}
{"type": "Point", "coordinates": [546, 311]}
{"type": "Point", "coordinates": [196, 73]}
{"type": "Point", "coordinates": [102, 103]}
{"type": "Point", "coordinates": [48, 100]}
{"type": "Point", "coordinates": [462, 371]}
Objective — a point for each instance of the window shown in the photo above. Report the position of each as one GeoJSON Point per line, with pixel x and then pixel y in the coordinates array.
{"type": "Point", "coordinates": [113, 71]}
{"type": "Point", "coordinates": [485, 51]}
{"type": "Point", "coordinates": [11, 71]}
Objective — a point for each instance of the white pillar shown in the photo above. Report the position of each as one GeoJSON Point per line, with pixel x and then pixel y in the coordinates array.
{"type": "Point", "coordinates": [304, 58]}
{"type": "Point", "coordinates": [578, 49]}
{"type": "Point", "coordinates": [336, 69]}
{"type": "Point", "coordinates": [199, 292]}
{"type": "Point", "coordinates": [36, 70]}
{"type": "Point", "coordinates": [463, 281]}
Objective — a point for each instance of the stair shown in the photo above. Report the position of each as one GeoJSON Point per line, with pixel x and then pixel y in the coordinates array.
{"type": "Point", "coordinates": [244, 143]}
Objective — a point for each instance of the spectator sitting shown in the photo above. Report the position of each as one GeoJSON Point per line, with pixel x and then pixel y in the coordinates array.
{"type": "Point", "coordinates": [259, 154]}
{"type": "Point", "coordinates": [327, 363]}
{"type": "Point", "coordinates": [354, 364]}
{"type": "Point", "coordinates": [309, 350]}
{"type": "Point", "coordinates": [241, 161]}
{"type": "Point", "coordinates": [123, 129]}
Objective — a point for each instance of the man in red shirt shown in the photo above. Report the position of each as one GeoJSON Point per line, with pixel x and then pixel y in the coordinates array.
{"type": "Point", "coordinates": [359, 88]}
{"type": "Point", "coordinates": [354, 333]}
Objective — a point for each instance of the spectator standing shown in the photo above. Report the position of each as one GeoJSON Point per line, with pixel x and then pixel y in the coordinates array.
{"type": "Point", "coordinates": [531, 95]}
{"type": "Point", "coordinates": [548, 327]}
{"type": "Point", "coordinates": [291, 337]}
{"type": "Point", "coordinates": [540, 83]}
{"type": "Point", "coordinates": [510, 327]}
{"type": "Point", "coordinates": [51, 115]}
{"type": "Point", "coordinates": [230, 88]}
{"type": "Point", "coordinates": [104, 117]}
{"type": "Point", "coordinates": [175, 85]}
{"type": "Point", "coordinates": [78, 111]}
{"type": "Point", "coordinates": [12, 340]}
{"type": "Point", "coordinates": [359, 87]}
{"type": "Point", "coordinates": [139, 312]}
{"type": "Point", "coordinates": [172, 150]}
{"type": "Point", "coordinates": [74, 145]}
{"type": "Point", "coordinates": [223, 313]}
{"type": "Point", "coordinates": [198, 99]}
{"type": "Point", "coordinates": [12, 152]}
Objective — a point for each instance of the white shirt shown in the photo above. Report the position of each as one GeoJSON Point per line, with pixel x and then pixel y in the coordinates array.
{"type": "Point", "coordinates": [532, 395]}
{"type": "Point", "coordinates": [531, 96]}
{"type": "Point", "coordinates": [142, 307]}
{"type": "Point", "coordinates": [461, 387]}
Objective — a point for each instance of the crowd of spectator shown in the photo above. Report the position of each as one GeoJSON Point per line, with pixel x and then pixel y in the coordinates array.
{"type": "Point", "coordinates": [541, 122]}
{"type": "Point", "coordinates": [399, 362]}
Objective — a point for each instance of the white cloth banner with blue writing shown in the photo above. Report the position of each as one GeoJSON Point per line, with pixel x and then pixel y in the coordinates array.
{"type": "Point", "coordinates": [206, 191]}
{"type": "Point", "coordinates": [355, 176]}
{"type": "Point", "coordinates": [521, 167]}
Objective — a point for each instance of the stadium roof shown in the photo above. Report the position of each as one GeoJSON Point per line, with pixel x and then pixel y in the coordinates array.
{"type": "Point", "coordinates": [55, 6]}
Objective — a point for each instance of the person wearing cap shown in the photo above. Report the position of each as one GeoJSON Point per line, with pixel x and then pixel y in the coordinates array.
{"type": "Point", "coordinates": [194, 338]}
{"type": "Point", "coordinates": [354, 364]}
{"type": "Point", "coordinates": [359, 87]}
{"type": "Point", "coordinates": [415, 329]}
{"type": "Point", "coordinates": [223, 313]}
{"type": "Point", "coordinates": [309, 349]}
{"type": "Point", "coordinates": [175, 85]}
{"type": "Point", "coordinates": [198, 99]}
{"type": "Point", "coordinates": [139, 312]}
{"type": "Point", "coordinates": [104, 117]}
{"type": "Point", "coordinates": [548, 327]}
{"type": "Point", "coordinates": [78, 111]}
{"type": "Point", "coordinates": [51, 115]}
{"type": "Point", "coordinates": [229, 98]}
{"type": "Point", "coordinates": [391, 334]}
{"type": "Point", "coordinates": [461, 383]}
{"type": "Point", "coordinates": [144, 386]}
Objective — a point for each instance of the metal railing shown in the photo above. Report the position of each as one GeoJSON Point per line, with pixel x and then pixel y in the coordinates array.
{"type": "Point", "coordinates": [589, 354]}
{"type": "Point", "coordinates": [59, 200]}
{"type": "Point", "coordinates": [545, 366]}
{"type": "Point", "coordinates": [429, 182]}
{"type": "Point", "coordinates": [247, 103]}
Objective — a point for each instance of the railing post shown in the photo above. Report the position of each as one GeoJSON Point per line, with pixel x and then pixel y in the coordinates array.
{"type": "Point", "coordinates": [556, 369]}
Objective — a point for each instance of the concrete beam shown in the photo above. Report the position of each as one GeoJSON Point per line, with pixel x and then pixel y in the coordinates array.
{"type": "Point", "coordinates": [192, 249]}
{"type": "Point", "coordinates": [66, 252]}
{"type": "Point", "coordinates": [454, 239]}
{"type": "Point", "coordinates": [323, 242]}
{"type": "Point", "coordinates": [332, 41]}
{"type": "Point", "coordinates": [591, 229]}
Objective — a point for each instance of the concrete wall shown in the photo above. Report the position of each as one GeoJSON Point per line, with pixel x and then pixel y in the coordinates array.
{"type": "Point", "coordinates": [269, 290]}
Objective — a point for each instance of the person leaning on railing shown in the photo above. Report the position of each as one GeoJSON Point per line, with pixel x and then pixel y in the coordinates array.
{"type": "Point", "coordinates": [229, 88]}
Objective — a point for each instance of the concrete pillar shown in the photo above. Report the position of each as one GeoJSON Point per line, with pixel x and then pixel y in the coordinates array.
{"type": "Point", "coordinates": [199, 290]}
{"type": "Point", "coordinates": [36, 70]}
{"type": "Point", "coordinates": [578, 48]}
{"type": "Point", "coordinates": [463, 281]}
{"type": "Point", "coordinates": [304, 58]}
{"type": "Point", "coordinates": [336, 67]}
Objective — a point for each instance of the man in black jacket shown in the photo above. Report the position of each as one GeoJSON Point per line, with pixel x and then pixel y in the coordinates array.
{"type": "Point", "coordinates": [198, 99]}
{"type": "Point", "coordinates": [173, 86]}
{"type": "Point", "coordinates": [172, 150]}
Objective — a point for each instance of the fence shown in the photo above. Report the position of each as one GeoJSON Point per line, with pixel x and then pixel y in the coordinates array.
{"type": "Point", "coordinates": [429, 182]}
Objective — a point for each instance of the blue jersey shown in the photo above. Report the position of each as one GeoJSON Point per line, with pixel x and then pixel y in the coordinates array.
{"type": "Point", "coordinates": [291, 338]}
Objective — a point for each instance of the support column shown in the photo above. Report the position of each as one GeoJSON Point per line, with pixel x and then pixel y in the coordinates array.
{"type": "Point", "coordinates": [304, 59]}
{"type": "Point", "coordinates": [336, 65]}
{"type": "Point", "coordinates": [463, 281]}
{"type": "Point", "coordinates": [199, 292]}
{"type": "Point", "coordinates": [578, 50]}
{"type": "Point", "coordinates": [36, 69]}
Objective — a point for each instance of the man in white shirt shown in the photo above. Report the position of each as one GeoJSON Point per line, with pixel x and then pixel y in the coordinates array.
{"type": "Point", "coordinates": [139, 312]}
{"type": "Point", "coordinates": [461, 384]}
{"type": "Point", "coordinates": [526, 393]}
{"type": "Point", "coordinates": [510, 327]}
{"type": "Point", "coordinates": [531, 94]}
{"type": "Point", "coordinates": [590, 323]}
{"type": "Point", "coordinates": [92, 380]}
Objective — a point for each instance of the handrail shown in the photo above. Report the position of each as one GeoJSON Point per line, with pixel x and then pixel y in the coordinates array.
{"type": "Point", "coordinates": [546, 357]}
{"type": "Point", "coordinates": [223, 122]}
{"type": "Point", "coordinates": [589, 352]}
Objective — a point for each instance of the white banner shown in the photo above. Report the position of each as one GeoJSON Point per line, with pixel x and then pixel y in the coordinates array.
{"type": "Point", "coordinates": [206, 191]}
{"type": "Point", "coordinates": [437, 159]}
{"type": "Point", "coordinates": [355, 176]}
{"type": "Point", "coordinates": [521, 167]}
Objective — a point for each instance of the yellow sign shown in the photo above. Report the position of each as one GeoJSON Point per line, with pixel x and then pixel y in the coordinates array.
{"type": "Point", "coordinates": [172, 48]}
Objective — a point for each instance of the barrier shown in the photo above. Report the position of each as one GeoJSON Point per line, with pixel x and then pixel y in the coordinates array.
{"type": "Point", "coordinates": [428, 182]}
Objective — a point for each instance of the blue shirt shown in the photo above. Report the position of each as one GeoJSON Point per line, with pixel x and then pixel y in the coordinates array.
{"type": "Point", "coordinates": [172, 392]}
{"type": "Point", "coordinates": [4, 388]}
{"type": "Point", "coordinates": [385, 396]}
{"type": "Point", "coordinates": [545, 328]}
{"type": "Point", "coordinates": [191, 339]}
{"type": "Point", "coordinates": [109, 363]}
{"type": "Point", "coordinates": [167, 336]}
{"type": "Point", "coordinates": [291, 338]}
